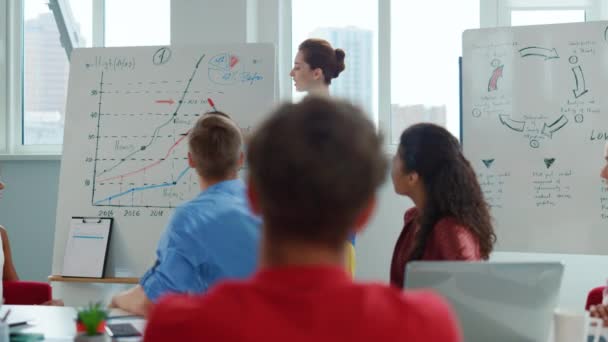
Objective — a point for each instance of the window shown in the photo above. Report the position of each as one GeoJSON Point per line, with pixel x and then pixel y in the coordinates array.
{"type": "Point", "coordinates": [425, 46]}
{"type": "Point", "coordinates": [4, 74]}
{"type": "Point", "coordinates": [46, 68]}
{"type": "Point", "coordinates": [351, 26]}
{"type": "Point", "coordinates": [401, 56]}
{"type": "Point", "coordinates": [540, 17]}
{"type": "Point", "coordinates": [540, 12]}
{"type": "Point", "coordinates": [152, 26]}
{"type": "Point", "coordinates": [35, 85]}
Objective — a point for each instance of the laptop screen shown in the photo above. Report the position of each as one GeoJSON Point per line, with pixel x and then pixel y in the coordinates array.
{"type": "Point", "coordinates": [494, 301]}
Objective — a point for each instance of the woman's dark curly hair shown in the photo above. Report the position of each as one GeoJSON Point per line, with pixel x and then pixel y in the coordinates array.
{"type": "Point", "coordinates": [450, 184]}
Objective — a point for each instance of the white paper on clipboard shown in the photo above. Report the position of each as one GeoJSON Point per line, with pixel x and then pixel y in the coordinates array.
{"type": "Point", "coordinates": [86, 248]}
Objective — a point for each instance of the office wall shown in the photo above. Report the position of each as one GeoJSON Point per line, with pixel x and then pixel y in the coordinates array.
{"type": "Point", "coordinates": [27, 210]}
{"type": "Point", "coordinates": [209, 21]}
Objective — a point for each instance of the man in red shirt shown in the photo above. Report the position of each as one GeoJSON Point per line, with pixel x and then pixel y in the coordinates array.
{"type": "Point", "coordinates": [314, 168]}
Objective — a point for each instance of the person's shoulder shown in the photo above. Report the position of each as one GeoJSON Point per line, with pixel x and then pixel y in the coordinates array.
{"type": "Point", "coordinates": [195, 317]}
{"type": "Point", "coordinates": [175, 310]}
{"type": "Point", "coordinates": [227, 195]}
{"type": "Point", "coordinates": [432, 312]}
{"type": "Point", "coordinates": [425, 303]}
{"type": "Point", "coordinates": [450, 224]}
{"type": "Point", "coordinates": [410, 314]}
{"type": "Point", "coordinates": [176, 303]}
{"type": "Point", "coordinates": [177, 317]}
{"type": "Point", "coordinates": [450, 229]}
{"type": "Point", "coordinates": [230, 293]}
{"type": "Point", "coordinates": [403, 300]}
{"type": "Point", "coordinates": [410, 214]}
{"type": "Point", "coordinates": [223, 296]}
{"type": "Point", "coordinates": [193, 210]}
{"type": "Point", "coordinates": [202, 199]}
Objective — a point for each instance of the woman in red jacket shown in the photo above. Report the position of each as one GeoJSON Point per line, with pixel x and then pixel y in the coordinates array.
{"type": "Point", "coordinates": [450, 219]}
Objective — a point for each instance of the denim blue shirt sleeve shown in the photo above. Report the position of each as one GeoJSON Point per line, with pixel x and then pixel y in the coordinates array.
{"type": "Point", "coordinates": [175, 266]}
{"type": "Point", "coordinates": [208, 239]}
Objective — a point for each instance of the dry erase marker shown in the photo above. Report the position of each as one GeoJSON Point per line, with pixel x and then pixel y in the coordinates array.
{"type": "Point", "coordinates": [212, 104]}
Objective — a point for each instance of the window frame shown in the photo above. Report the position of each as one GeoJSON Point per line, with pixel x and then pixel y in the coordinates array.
{"type": "Point", "coordinates": [4, 69]}
{"type": "Point", "coordinates": [11, 89]}
{"type": "Point", "coordinates": [16, 89]}
{"type": "Point", "coordinates": [276, 26]}
{"type": "Point", "coordinates": [594, 9]}
{"type": "Point", "coordinates": [384, 73]}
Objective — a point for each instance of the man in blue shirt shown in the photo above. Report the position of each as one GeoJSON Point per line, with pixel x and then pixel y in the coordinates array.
{"type": "Point", "coordinates": [210, 238]}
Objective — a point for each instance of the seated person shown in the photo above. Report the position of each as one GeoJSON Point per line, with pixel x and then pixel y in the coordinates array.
{"type": "Point", "coordinates": [210, 238]}
{"type": "Point", "coordinates": [314, 168]}
{"type": "Point", "coordinates": [450, 219]}
{"type": "Point", "coordinates": [8, 271]}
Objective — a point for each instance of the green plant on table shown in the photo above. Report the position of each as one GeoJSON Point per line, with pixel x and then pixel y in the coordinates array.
{"type": "Point", "coordinates": [91, 316]}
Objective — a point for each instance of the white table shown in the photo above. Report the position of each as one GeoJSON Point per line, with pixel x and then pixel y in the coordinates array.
{"type": "Point", "coordinates": [57, 323]}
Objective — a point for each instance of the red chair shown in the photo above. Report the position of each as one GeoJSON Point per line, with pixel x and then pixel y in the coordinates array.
{"type": "Point", "coordinates": [26, 292]}
{"type": "Point", "coordinates": [595, 297]}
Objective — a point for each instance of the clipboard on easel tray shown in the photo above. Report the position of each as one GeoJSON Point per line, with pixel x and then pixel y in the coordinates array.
{"type": "Point", "coordinates": [86, 249]}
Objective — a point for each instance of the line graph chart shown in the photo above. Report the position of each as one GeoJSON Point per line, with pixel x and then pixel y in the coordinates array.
{"type": "Point", "coordinates": [130, 111]}
{"type": "Point", "coordinates": [138, 170]}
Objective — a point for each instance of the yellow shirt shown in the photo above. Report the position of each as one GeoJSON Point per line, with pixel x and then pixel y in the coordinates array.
{"type": "Point", "coordinates": [350, 261]}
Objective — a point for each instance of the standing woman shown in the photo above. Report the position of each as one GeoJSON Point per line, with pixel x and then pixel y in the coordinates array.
{"type": "Point", "coordinates": [315, 65]}
{"type": "Point", "coordinates": [450, 219]}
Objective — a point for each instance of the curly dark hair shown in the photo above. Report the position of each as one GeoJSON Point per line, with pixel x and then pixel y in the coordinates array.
{"type": "Point", "coordinates": [315, 165]}
{"type": "Point", "coordinates": [450, 183]}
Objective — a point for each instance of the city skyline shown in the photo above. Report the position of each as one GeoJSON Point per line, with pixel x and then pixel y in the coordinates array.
{"type": "Point", "coordinates": [355, 82]}
{"type": "Point", "coordinates": [45, 63]}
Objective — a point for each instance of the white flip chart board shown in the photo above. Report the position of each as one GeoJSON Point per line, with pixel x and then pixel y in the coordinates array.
{"type": "Point", "coordinates": [125, 146]}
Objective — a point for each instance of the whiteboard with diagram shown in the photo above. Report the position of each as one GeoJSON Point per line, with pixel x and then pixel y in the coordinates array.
{"type": "Point", "coordinates": [129, 111]}
{"type": "Point", "coordinates": [534, 125]}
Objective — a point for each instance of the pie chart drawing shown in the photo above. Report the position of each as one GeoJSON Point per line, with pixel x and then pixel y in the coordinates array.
{"type": "Point", "coordinates": [224, 68]}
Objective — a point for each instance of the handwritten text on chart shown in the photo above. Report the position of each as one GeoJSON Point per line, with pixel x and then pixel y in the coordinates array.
{"type": "Point", "coordinates": [551, 188]}
{"type": "Point", "coordinates": [492, 186]}
{"type": "Point", "coordinates": [250, 77]}
{"type": "Point", "coordinates": [118, 63]}
{"type": "Point", "coordinates": [604, 201]}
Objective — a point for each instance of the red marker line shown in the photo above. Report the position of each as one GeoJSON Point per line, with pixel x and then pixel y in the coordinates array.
{"type": "Point", "coordinates": [147, 167]}
{"type": "Point", "coordinates": [233, 61]}
{"type": "Point", "coordinates": [212, 104]}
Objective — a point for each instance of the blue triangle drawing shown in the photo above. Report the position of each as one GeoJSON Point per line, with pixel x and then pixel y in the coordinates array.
{"type": "Point", "coordinates": [487, 162]}
{"type": "Point", "coordinates": [549, 162]}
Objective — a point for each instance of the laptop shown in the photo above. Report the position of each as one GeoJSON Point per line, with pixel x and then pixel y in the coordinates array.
{"type": "Point", "coordinates": [494, 301]}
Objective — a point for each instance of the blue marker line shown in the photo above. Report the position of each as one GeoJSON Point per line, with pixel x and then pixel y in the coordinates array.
{"type": "Point", "coordinates": [87, 237]}
{"type": "Point", "coordinates": [182, 173]}
{"type": "Point", "coordinates": [148, 187]}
